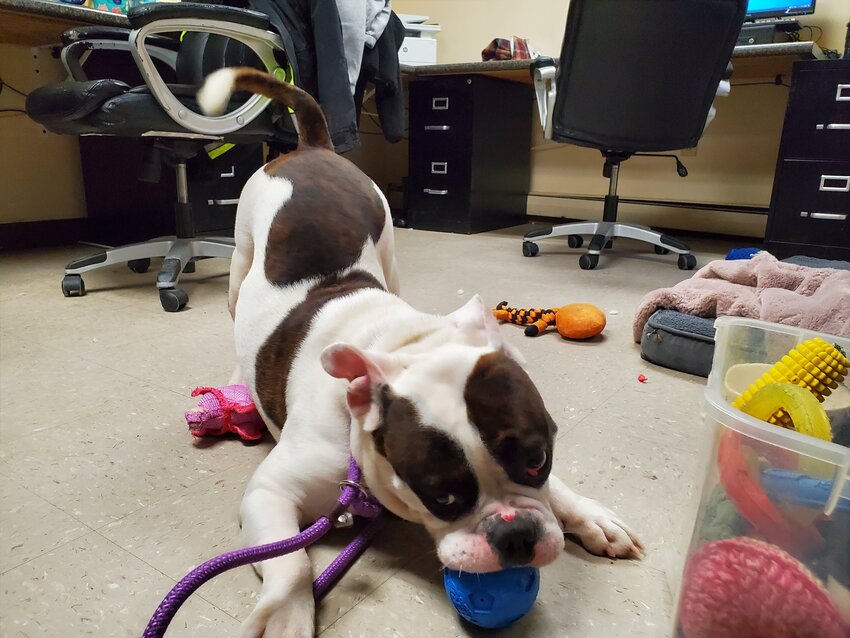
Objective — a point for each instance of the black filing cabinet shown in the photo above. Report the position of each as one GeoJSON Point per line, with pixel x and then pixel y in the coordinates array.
{"type": "Point", "coordinates": [123, 209]}
{"type": "Point", "coordinates": [470, 147]}
{"type": "Point", "coordinates": [810, 206]}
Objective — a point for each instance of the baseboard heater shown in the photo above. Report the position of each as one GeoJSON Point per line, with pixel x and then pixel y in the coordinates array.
{"type": "Point", "coordinates": [724, 208]}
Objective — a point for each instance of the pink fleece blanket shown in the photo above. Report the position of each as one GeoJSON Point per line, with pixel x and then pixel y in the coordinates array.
{"type": "Point", "coordinates": [759, 288]}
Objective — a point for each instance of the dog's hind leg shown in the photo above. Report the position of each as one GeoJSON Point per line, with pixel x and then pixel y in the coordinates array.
{"type": "Point", "coordinates": [386, 248]}
{"type": "Point", "coordinates": [240, 264]}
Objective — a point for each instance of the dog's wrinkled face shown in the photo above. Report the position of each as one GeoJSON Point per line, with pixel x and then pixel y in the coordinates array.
{"type": "Point", "coordinates": [455, 435]}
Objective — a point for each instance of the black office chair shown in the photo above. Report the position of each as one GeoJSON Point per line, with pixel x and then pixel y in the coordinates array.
{"type": "Point", "coordinates": [635, 76]}
{"type": "Point", "coordinates": [213, 36]}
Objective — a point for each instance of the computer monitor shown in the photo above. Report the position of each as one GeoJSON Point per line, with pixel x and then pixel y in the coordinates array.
{"type": "Point", "coordinates": [761, 9]}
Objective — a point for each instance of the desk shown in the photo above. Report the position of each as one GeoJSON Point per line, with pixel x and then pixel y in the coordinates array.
{"type": "Point", "coordinates": [40, 23]}
{"type": "Point", "coordinates": [752, 64]}
{"type": "Point", "coordinates": [750, 61]}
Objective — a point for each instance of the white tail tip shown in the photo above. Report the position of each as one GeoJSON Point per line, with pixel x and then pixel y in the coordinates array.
{"type": "Point", "coordinates": [216, 91]}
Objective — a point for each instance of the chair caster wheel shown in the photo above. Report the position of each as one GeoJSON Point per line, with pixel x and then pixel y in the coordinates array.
{"type": "Point", "coordinates": [190, 268]}
{"type": "Point", "coordinates": [173, 299]}
{"type": "Point", "coordinates": [139, 265]}
{"type": "Point", "coordinates": [609, 244]}
{"type": "Point", "coordinates": [73, 286]}
{"type": "Point", "coordinates": [530, 249]}
{"type": "Point", "coordinates": [588, 261]}
{"type": "Point", "coordinates": [660, 250]}
{"type": "Point", "coordinates": [575, 241]}
{"type": "Point", "coordinates": [687, 262]}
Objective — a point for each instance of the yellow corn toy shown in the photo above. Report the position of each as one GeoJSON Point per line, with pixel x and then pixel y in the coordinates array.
{"type": "Point", "coordinates": [814, 365]}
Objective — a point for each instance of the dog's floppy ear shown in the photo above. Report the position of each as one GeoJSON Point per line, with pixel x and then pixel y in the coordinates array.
{"type": "Point", "coordinates": [365, 371]}
{"type": "Point", "coordinates": [477, 321]}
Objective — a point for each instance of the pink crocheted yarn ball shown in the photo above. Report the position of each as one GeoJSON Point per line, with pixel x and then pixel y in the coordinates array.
{"type": "Point", "coordinates": [745, 587]}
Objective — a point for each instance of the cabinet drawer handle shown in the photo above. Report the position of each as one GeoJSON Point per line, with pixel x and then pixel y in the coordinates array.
{"type": "Point", "coordinates": [843, 188]}
{"type": "Point", "coordinates": [222, 202]}
{"type": "Point", "coordinates": [434, 191]}
{"type": "Point", "coordinates": [836, 217]}
{"type": "Point", "coordinates": [440, 104]}
{"type": "Point", "coordinates": [437, 127]}
{"type": "Point", "coordinates": [833, 127]}
{"type": "Point", "coordinates": [442, 168]}
{"type": "Point", "coordinates": [842, 93]}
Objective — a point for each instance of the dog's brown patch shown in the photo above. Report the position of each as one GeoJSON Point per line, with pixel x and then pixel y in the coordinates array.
{"type": "Point", "coordinates": [274, 360]}
{"type": "Point", "coordinates": [431, 463]}
{"type": "Point", "coordinates": [507, 409]}
{"type": "Point", "coordinates": [321, 230]}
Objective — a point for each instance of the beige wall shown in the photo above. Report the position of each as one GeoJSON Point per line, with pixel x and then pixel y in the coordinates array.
{"type": "Point", "coordinates": [40, 175]}
{"type": "Point", "coordinates": [734, 163]}
{"type": "Point", "coordinates": [468, 25]}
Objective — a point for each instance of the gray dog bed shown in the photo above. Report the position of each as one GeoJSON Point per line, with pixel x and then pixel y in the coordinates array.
{"type": "Point", "coordinates": [679, 341]}
{"type": "Point", "coordinates": [686, 343]}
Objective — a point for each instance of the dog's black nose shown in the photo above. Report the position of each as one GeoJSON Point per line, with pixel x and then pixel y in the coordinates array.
{"type": "Point", "coordinates": [513, 540]}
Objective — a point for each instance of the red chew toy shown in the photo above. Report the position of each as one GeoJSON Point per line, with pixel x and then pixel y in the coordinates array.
{"type": "Point", "coordinates": [748, 588]}
{"type": "Point", "coordinates": [754, 505]}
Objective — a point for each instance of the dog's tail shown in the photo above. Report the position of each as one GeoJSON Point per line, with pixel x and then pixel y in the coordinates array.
{"type": "Point", "coordinates": [220, 85]}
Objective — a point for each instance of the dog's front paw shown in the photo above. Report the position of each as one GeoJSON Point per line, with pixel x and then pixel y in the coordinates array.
{"type": "Point", "coordinates": [291, 618]}
{"type": "Point", "coordinates": [601, 531]}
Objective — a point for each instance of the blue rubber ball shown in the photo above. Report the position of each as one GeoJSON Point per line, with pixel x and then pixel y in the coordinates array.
{"type": "Point", "coordinates": [493, 600]}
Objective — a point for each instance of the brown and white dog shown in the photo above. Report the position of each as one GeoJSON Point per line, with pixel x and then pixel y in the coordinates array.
{"type": "Point", "coordinates": [448, 429]}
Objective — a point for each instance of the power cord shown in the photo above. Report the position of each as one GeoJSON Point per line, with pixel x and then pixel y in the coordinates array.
{"type": "Point", "coordinates": [794, 36]}
{"type": "Point", "coordinates": [777, 81]}
{"type": "Point", "coordinates": [811, 29]}
{"type": "Point", "coordinates": [12, 112]}
{"type": "Point", "coordinates": [4, 84]}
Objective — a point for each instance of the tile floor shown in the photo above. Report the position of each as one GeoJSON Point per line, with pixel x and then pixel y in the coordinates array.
{"type": "Point", "coordinates": [106, 500]}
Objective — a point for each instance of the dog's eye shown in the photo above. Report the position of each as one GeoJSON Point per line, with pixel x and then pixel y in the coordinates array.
{"type": "Point", "coordinates": [536, 463]}
{"type": "Point", "coordinates": [445, 499]}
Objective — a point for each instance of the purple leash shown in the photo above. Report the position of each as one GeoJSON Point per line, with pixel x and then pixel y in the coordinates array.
{"type": "Point", "coordinates": [352, 499]}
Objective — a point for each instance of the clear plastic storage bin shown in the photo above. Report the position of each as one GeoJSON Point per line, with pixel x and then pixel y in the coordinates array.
{"type": "Point", "coordinates": [770, 551]}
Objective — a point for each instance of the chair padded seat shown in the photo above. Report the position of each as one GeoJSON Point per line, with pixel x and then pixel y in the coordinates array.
{"type": "Point", "coordinates": [109, 107]}
{"type": "Point", "coordinates": [71, 101]}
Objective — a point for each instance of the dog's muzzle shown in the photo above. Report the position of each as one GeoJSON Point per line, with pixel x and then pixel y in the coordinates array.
{"type": "Point", "coordinates": [513, 537]}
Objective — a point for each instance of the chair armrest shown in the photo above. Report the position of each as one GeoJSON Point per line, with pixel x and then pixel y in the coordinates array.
{"type": "Point", "coordinates": [543, 75]}
{"type": "Point", "coordinates": [145, 14]}
{"type": "Point", "coordinates": [81, 41]}
{"type": "Point", "coordinates": [248, 27]}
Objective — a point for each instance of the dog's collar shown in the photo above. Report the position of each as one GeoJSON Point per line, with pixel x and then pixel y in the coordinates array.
{"type": "Point", "coordinates": [354, 498]}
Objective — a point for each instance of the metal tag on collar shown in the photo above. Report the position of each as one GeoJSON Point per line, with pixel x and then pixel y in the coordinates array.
{"type": "Point", "coordinates": [346, 519]}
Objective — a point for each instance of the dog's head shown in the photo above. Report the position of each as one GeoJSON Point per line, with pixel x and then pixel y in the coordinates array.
{"type": "Point", "coordinates": [452, 433]}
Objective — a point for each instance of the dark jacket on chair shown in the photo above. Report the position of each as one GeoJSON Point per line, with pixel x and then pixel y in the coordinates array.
{"type": "Point", "coordinates": [311, 29]}
{"type": "Point", "coordinates": [381, 68]}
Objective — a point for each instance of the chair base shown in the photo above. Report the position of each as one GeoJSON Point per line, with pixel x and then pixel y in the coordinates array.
{"type": "Point", "coordinates": [602, 235]}
{"type": "Point", "coordinates": [178, 253]}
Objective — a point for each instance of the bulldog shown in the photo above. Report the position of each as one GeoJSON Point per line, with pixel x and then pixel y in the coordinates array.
{"type": "Point", "coordinates": [448, 429]}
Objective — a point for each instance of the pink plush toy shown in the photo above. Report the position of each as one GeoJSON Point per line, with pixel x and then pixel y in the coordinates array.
{"type": "Point", "coordinates": [223, 410]}
{"type": "Point", "coordinates": [745, 587]}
